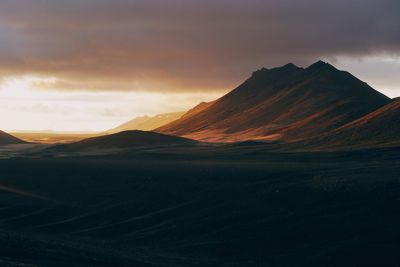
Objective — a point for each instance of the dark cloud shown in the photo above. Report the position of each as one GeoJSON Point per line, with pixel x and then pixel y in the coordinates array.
{"type": "Point", "coordinates": [184, 44]}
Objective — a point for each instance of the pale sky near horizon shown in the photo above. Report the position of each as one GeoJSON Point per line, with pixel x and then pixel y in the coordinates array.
{"type": "Point", "coordinates": [90, 65]}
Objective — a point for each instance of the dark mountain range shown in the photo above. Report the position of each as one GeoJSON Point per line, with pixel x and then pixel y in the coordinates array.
{"type": "Point", "coordinates": [286, 103]}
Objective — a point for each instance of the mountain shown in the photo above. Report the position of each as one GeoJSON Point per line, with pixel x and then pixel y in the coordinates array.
{"type": "Point", "coordinates": [284, 103]}
{"type": "Point", "coordinates": [126, 139]}
{"type": "Point", "coordinates": [381, 127]}
{"type": "Point", "coordinates": [7, 139]}
{"type": "Point", "coordinates": [147, 123]}
{"type": "Point", "coordinates": [197, 109]}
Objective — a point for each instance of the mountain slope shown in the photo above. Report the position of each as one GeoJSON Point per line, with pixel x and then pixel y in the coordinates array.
{"type": "Point", "coordinates": [286, 103]}
{"type": "Point", "coordinates": [7, 139]}
{"type": "Point", "coordinates": [147, 123]}
{"type": "Point", "coordinates": [380, 127]}
{"type": "Point", "coordinates": [197, 109]}
{"type": "Point", "coordinates": [126, 139]}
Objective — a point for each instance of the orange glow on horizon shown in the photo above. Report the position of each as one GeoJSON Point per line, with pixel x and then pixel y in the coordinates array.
{"type": "Point", "coordinates": [24, 107]}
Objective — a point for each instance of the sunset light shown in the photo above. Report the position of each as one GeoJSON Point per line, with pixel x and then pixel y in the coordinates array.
{"type": "Point", "coordinates": [200, 133]}
{"type": "Point", "coordinates": [25, 106]}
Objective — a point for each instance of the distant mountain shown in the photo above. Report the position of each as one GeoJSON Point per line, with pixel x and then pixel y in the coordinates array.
{"type": "Point", "coordinates": [285, 103]}
{"type": "Point", "coordinates": [381, 127]}
{"type": "Point", "coordinates": [126, 139]}
{"type": "Point", "coordinates": [147, 123]}
{"type": "Point", "coordinates": [7, 139]}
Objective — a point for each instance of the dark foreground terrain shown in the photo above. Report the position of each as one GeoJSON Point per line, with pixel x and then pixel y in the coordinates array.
{"type": "Point", "coordinates": [238, 206]}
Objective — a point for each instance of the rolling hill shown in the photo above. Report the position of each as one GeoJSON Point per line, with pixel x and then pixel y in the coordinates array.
{"type": "Point", "coordinates": [285, 103]}
{"type": "Point", "coordinates": [126, 139]}
{"type": "Point", "coordinates": [147, 123]}
{"type": "Point", "coordinates": [7, 139]}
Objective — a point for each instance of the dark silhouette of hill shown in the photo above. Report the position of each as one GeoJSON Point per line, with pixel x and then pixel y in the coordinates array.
{"type": "Point", "coordinates": [286, 103]}
{"type": "Point", "coordinates": [7, 139]}
{"type": "Point", "coordinates": [147, 123]}
{"type": "Point", "coordinates": [127, 139]}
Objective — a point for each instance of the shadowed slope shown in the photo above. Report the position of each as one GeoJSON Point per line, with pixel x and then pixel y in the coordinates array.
{"type": "Point", "coordinates": [147, 123]}
{"type": "Point", "coordinates": [381, 127]}
{"type": "Point", "coordinates": [7, 139]}
{"type": "Point", "coordinates": [285, 103]}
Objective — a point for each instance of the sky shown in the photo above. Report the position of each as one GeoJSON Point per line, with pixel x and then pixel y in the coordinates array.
{"type": "Point", "coordinates": [89, 65]}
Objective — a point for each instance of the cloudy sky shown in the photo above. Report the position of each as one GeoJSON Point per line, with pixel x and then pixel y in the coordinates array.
{"type": "Point", "coordinates": [91, 64]}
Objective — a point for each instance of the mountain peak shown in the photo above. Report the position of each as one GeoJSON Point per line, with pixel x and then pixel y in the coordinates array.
{"type": "Point", "coordinates": [290, 66]}
{"type": "Point", "coordinates": [285, 103]}
{"type": "Point", "coordinates": [260, 71]}
{"type": "Point", "coordinates": [321, 65]}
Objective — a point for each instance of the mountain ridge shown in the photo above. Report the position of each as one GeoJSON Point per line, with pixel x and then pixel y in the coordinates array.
{"type": "Point", "coordinates": [378, 128]}
{"type": "Point", "coordinates": [284, 103]}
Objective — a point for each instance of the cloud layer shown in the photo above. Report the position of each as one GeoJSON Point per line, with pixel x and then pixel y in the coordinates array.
{"type": "Point", "coordinates": [183, 45]}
